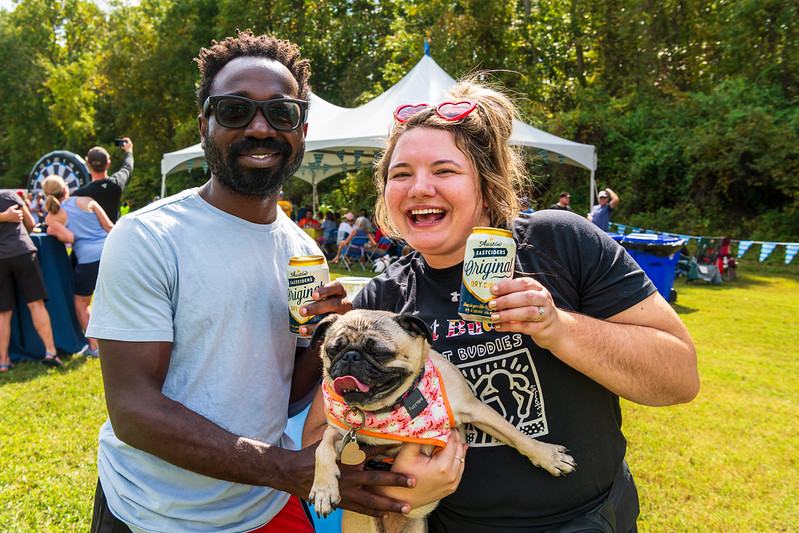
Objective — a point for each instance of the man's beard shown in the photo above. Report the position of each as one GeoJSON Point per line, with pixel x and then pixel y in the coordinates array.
{"type": "Point", "coordinates": [262, 182]}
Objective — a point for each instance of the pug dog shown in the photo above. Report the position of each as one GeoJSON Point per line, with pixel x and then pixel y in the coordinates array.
{"type": "Point", "coordinates": [384, 384]}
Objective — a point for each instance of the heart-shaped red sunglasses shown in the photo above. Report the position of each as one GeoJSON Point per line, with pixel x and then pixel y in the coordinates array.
{"type": "Point", "coordinates": [450, 111]}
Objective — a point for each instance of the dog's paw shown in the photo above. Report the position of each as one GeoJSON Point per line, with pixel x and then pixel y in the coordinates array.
{"type": "Point", "coordinates": [558, 461]}
{"type": "Point", "coordinates": [324, 497]}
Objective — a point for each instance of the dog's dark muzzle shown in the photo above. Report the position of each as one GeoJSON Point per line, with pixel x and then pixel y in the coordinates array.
{"type": "Point", "coordinates": [354, 362]}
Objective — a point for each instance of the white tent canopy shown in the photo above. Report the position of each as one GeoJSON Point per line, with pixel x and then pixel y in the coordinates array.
{"type": "Point", "coordinates": [341, 139]}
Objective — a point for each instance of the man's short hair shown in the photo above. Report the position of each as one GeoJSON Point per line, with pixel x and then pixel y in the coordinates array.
{"type": "Point", "coordinates": [211, 60]}
{"type": "Point", "coordinates": [97, 159]}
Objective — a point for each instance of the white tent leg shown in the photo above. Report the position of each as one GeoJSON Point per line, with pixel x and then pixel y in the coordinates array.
{"type": "Point", "coordinates": [593, 188]}
{"type": "Point", "coordinates": [163, 185]}
{"type": "Point", "coordinates": [315, 200]}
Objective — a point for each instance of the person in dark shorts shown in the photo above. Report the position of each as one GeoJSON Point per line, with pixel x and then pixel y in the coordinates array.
{"type": "Point", "coordinates": [82, 222]}
{"type": "Point", "coordinates": [19, 267]}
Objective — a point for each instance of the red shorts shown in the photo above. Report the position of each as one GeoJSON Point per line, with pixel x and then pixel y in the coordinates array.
{"type": "Point", "coordinates": [290, 519]}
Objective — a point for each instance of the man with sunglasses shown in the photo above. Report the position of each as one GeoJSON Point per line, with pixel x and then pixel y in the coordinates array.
{"type": "Point", "coordinates": [199, 380]}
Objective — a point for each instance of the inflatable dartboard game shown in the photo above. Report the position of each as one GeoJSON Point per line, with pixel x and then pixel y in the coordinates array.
{"type": "Point", "coordinates": [69, 166]}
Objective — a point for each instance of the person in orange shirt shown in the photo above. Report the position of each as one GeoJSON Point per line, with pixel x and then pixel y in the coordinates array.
{"type": "Point", "coordinates": [309, 221]}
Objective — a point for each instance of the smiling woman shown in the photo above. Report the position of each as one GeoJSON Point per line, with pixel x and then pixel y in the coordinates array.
{"type": "Point", "coordinates": [555, 352]}
{"type": "Point", "coordinates": [432, 195]}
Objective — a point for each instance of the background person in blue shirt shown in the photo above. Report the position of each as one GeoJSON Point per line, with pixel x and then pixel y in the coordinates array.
{"type": "Point", "coordinates": [600, 214]}
{"type": "Point", "coordinates": [526, 207]}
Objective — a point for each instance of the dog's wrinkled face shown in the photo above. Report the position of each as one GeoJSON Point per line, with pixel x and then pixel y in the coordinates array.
{"type": "Point", "coordinates": [370, 358]}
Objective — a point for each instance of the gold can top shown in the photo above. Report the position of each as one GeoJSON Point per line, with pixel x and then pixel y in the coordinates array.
{"type": "Point", "coordinates": [492, 231]}
{"type": "Point", "coordinates": [307, 260]}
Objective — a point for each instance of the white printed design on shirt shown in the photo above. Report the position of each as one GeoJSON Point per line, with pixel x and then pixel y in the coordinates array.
{"type": "Point", "coordinates": [503, 383]}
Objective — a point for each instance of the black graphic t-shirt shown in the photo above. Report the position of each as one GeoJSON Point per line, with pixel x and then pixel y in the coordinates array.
{"type": "Point", "coordinates": [108, 191]}
{"type": "Point", "coordinates": [585, 271]}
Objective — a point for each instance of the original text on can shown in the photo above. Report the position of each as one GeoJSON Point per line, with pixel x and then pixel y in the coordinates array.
{"type": "Point", "coordinates": [489, 259]}
{"type": "Point", "coordinates": [305, 274]}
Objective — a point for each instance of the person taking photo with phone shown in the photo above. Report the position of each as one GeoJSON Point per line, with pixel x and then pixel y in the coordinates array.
{"type": "Point", "coordinates": [107, 190]}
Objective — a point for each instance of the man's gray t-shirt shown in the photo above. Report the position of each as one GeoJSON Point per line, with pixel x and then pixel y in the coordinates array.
{"type": "Point", "coordinates": [214, 285]}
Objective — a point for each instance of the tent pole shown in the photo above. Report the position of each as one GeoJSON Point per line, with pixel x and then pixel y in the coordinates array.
{"type": "Point", "coordinates": [315, 199]}
{"type": "Point", "coordinates": [163, 185]}
{"type": "Point", "coordinates": [593, 188]}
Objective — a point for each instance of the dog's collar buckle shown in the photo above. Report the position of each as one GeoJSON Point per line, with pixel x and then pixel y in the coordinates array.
{"type": "Point", "coordinates": [413, 400]}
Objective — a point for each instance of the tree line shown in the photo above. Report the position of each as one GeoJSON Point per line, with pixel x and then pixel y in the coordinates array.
{"type": "Point", "coordinates": [691, 104]}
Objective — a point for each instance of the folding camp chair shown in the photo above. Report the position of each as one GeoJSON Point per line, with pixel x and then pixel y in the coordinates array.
{"type": "Point", "coordinates": [356, 248]}
{"type": "Point", "coordinates": [379, 251]}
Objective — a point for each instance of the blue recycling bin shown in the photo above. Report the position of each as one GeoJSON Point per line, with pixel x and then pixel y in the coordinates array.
{"type": "Point", "coordinates": [657, 255]}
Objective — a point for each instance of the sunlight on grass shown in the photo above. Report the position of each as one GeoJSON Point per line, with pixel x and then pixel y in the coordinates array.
{"type": "Point", "coordinates": [725, 462]}
{"type": "Point", "coordinates": [728, 460]}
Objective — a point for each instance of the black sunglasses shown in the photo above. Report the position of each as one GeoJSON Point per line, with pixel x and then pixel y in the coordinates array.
{"type": "Point", "coordinates": [284, 114]}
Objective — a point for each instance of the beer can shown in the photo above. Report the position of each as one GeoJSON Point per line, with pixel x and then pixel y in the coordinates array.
{"type": "Point", "coordinates": [305, 274]}
{"type": "Point", "coordinates": [489, 259]}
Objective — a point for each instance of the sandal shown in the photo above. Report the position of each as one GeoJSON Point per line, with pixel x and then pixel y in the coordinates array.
{"type": "Point", "coordinates": [51, 359]}
{"type": "Point", "coordinates": [5, 367]}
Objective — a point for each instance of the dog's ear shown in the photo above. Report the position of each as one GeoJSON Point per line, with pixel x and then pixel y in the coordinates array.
{"type": "Point", "coordinates": [321, 328]}
{"type": "Point", "coordinates": [415, 326]}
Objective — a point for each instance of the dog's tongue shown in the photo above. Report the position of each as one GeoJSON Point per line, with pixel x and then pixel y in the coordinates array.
{"type": "Point", "coordinates": [348, 383]}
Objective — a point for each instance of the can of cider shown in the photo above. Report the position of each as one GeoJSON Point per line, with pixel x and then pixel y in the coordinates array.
{"type": "Point", "coordinates": [489, 259]}
{"type": "Point", "coordinates": [305, 274]}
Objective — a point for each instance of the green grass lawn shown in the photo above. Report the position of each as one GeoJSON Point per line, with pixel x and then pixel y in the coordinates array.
{"type": "Point", "coordinates": [725, 462]}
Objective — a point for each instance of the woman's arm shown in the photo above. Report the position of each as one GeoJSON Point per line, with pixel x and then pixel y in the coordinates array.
{"type": "Point", "coordinates": [56, 226]}
{"type": "Point", "coordinates": [644, 353]}
{"type": "Point", "coordinates": [87, 204]}
{"type": "Point", "coordinates": [27, 218]}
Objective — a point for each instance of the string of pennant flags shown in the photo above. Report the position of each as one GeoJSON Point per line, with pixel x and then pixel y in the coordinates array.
{"type": "Point", "coordinates": [766, 247]}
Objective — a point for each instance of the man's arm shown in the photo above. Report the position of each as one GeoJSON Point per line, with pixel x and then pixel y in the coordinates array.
{"type": "Point", "coordinates": [122, 176]}
{"type": "Point", "coordinates": [12, 215]}
{"type": "Point", "coordinates": [614, 199]}
{"type": "Point", "coordinates": [143, 417]}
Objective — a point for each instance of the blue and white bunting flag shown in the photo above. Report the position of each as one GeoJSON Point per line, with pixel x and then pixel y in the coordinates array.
{"type": "Point", "coordinates": [743, 246]}
{"type": "Point", "coordinates": [790, 252]}
{"type": "Point", "coordinates": [765, 250]}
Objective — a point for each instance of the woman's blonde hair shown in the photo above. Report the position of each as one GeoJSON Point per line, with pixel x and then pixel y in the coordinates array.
{"type": "Point", "coordinates": [483, 136]}
{"type": "Point", "coordinates": [53, 189]}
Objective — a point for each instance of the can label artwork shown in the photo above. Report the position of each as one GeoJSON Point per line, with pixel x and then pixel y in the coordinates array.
{"type": "Point", "coordinates": [305, 274]}
{"type": "Point", "coordinates": [489, 259]}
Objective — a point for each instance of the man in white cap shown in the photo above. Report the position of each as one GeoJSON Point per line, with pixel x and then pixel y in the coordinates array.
{"type": "Point", "coordinates": [600, 214]}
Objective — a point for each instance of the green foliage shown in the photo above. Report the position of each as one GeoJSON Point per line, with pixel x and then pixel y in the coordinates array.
{"type": "Point", "coordinates": [692, 105]}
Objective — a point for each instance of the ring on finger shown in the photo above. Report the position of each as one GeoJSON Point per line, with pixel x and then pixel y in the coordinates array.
{"type": "Point", "coordinates": [540, 316]}
{"type": "Point", "coordinates": [461, 459]}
